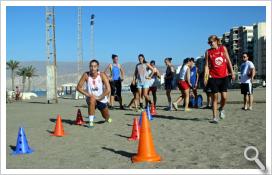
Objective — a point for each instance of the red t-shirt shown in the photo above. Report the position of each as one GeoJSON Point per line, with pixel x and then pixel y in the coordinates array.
{"type": "Point", "coordinates": [217, 63]}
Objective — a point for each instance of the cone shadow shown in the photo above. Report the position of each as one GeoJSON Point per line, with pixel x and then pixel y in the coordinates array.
{"type": "Point", "coordinates": [12, 147]}
{"type": "Point", "coordinates": [50, 132]}
{"type": "Point", "coordinates": [122, 153]}
{"type": "Point", "coordinates": [121, 136]}
{"type": "Point", "coordinates": [70, 122]}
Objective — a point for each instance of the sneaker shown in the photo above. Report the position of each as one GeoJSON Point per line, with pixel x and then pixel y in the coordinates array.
{"type": "Point", "coordinates": [250, 108]}
{"type": "Point", "coordinates": [214, 120]}
{"type": "Point", "coordinates": [122, 108]}
{"type": "Point", "coordinates": [222, 114]}
{"type": "Point", "coordinates": [91, 124]}
{"type": "Point", "coordinates": [111, 107]}
{"type": "Point", "coordinates": [109, 120]}
{"type": "Point", "coordinates": [187, 110]}
{"type": "Point", "coordinates": [169, 108]}
{"type": "Point", "coordinates": [243, 108]}
{"type": "Point", "coordinates": [175, 106]}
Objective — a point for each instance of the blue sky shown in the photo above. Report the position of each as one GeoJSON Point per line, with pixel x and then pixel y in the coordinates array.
{"type": "Point", "coordinates": [157, 32]}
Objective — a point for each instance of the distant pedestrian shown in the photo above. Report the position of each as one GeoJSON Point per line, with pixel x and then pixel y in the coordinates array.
{"type": "Point", "coordinates": [194, 77]}
{"type": "Point", "coordinates": [247, 74]}
{"type": "Point", "coordinates": [184, 84]}
{"type": "Point", "coordinates": [217, 64]}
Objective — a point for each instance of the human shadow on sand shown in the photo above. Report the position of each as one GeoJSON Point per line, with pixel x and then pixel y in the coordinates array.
{"type": "Point", "coordinates": [81, 106]}
{"type": "Point", "coordinates": [121, 136]}
{"type": "Point", "coordinates": [122, 153]}
{"type": "Point", "coordinates": [37, 102]}
{"type": "Point", "coordinates": [180, 118]}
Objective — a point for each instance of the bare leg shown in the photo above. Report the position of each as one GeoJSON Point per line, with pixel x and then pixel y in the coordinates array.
{"type": "Point", "coordinates": [146, 96]}
{"type": "Point", "coordinates": [111, 100]}
{"type": "Point", "coordinates": [187, 94]}
{"type": "Point", "coordinates": [91, 108]}
{"type": "Point", "coordinates": [214, 108]}
{"type": "Point", "coordinates": [245, 101]}
{"type": "Point", "coordinates": [223, 99]}
{"type": "Point", "coordinates": [105, 113]}
{"type": "Point", "coordinates": [251, 101]}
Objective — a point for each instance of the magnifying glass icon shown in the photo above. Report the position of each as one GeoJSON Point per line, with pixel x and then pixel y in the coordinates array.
{"type": "Point", "coordinates": [255, 158]}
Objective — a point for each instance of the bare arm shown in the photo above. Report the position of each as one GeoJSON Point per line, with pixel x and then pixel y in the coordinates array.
{"type": "Point", "coordinates": [188, 76]}
{"type": "Point", "coordinates": [122, 73]}
{"type": "Point", "coordinates": [206, 69]}
{"type": "Point", "coordinates": [252, 73]}
{"type": "Point", "coordinates": [152, 70]}
{"type": "Point", "coordinates": [81, 83]}
{"type": "Point", "coordinates": [107, 69]}
{"type": "Point", "coordinates": [229, 63]}
{"type": "Point", "coordinates": [197, 76]}
{"type": "Point", "coordinates": [107, 88]}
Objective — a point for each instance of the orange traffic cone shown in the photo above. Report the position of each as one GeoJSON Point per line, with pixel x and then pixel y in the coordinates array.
{"type": "Point", "coordinates": [153, 110]}
{"type": "Point", "coordinates": [59, 131]}
{"type": "Point", "coordinates": [79, 118]}
{"type": "Point", "coordinates": [146, 149]}
{"type": "Point", "coordinates": [135, 134]}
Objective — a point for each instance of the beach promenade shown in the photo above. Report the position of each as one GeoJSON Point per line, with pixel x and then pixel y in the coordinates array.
{"type": "Point", "coordinates": [183, 140]}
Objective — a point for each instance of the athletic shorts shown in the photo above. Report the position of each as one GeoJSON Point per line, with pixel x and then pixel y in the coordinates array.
{"type": "Point", "coordinates": [141, 85]}
{"type": "Point", "coordinates": [183, 85]}
{"type": "Point", "coordinates": [246, 88]}
{"type": "Point", "coordinates": [99, 105]}
{"type": "Point", "coordinates": [116, 88]}
{"type": "Point", "coordinates": [152, 89]}
{"type": "Point", "coordinates": [218, 84]}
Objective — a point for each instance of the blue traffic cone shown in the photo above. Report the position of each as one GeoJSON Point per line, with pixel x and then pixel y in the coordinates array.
{"type": "Point", "coordinates": [149, 116]}
{"type": "Point", "coordinates": [22, 144]}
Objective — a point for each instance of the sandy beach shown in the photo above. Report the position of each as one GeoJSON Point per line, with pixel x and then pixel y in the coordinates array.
{"type": "Point", "coordinates": [183, 140]}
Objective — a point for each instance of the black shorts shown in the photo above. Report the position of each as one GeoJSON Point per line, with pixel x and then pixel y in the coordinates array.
{"type": "Point", "coordinates": [99, 105]}
{"type": "Point", "coordinates": [169, 84]}
{"type": "Point", "coordinates": [218, 84]}
{"type": "Point", "coordinates": [246, 88]}
{"type": "Point", "coordinates": [116, 88]}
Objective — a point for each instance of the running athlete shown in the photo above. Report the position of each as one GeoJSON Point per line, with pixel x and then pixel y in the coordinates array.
{"type": "Point", "coordinates": [184, 84]}
{"type": "Point", "coordinates": [98, 87]}
{"type": "Point", "coordinates": [169, 81]}
{"type": "Point", "coordinates": [247, 75]}
{"type": "Point", "coordinates": [141, 74]}
{"type": "Point", "coordinates": [154, 81]}
{"type": "Point", "coordinates": [217, 64]}
{"type": "Point", "coordinates": [116, 78]}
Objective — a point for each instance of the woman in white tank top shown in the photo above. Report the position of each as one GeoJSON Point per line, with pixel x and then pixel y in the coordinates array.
{"type": "Point", "coordinates": [97, 90]}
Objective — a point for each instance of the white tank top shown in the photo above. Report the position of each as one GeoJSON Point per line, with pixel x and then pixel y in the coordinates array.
{"type": "Point", "coordinates": [182, 73]}
{"type": "Point", "coordinates": [95, 87]}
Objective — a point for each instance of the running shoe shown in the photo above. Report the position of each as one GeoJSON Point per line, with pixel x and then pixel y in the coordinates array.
{"type": "Point", "coordinates": [250, 108]}
{"type": "Point", "coordinates": [91, 124]}
{"type": "Point", "coordinates": [187, 110]}
{"type": "Point", "coordinates": [109, 120]}
{"type": "Point", "coordinates": [214, 120]}
{"type": "Point", "coordinates": [175, 106]}
{"type": "Point", "coordinates": [222, 114]}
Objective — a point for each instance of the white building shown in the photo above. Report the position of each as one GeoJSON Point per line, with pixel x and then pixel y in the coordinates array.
{"type": "Point", "coordinates": [259, 49]}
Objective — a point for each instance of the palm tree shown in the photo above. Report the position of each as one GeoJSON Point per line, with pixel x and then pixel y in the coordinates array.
{"type": "Point", "coordinates": [22, 72]}
{"type": "Point", "coordinates": [12, 65]}
{"type": "Point", "coordinates": [30, 72]}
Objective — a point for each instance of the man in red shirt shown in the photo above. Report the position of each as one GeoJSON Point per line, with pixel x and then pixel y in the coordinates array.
{"type": "Point", "coordinates": [217, 64]}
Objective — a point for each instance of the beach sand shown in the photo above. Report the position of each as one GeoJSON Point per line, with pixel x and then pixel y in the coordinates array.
{"type": "Point", "coordinates": [183, 140]}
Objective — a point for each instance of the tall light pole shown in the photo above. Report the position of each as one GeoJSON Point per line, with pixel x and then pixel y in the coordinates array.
{"type": "Point", "coordinates": [92, 36]}
{"type": "Point", "coordinates": [79, 43]}
{"type": "Point", "coordinates": [51, 54]}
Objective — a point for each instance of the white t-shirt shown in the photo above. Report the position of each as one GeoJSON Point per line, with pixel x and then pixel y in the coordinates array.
{"type": "Point", "coordinates": [245, 69]}
{"type": "Point", "coordinates": [182, 73]}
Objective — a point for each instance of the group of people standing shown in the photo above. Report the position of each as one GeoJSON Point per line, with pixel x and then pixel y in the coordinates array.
{"type": "Point", "coordinates": [146, 78]}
